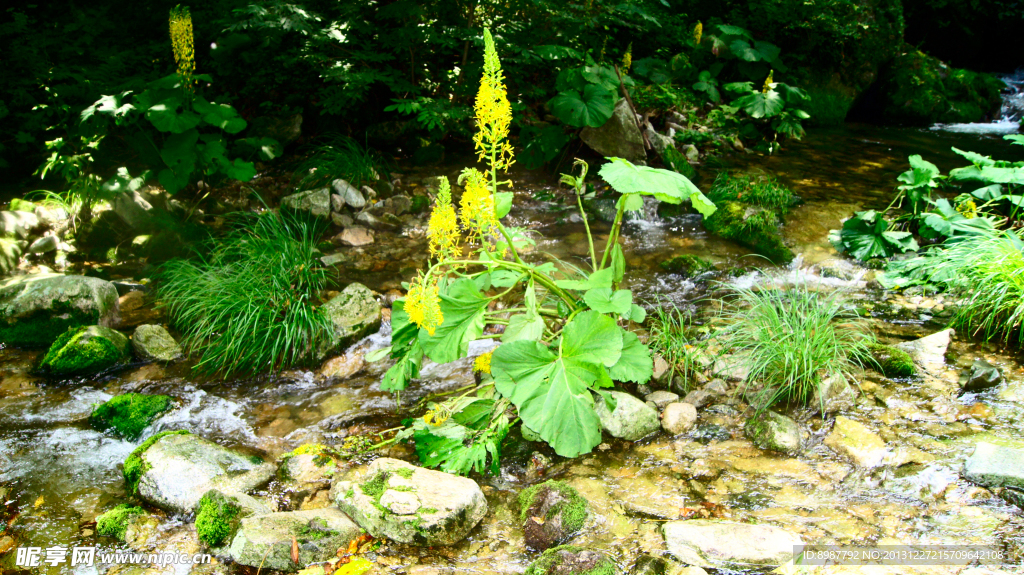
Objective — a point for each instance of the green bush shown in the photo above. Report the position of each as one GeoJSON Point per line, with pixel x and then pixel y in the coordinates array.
{"type": "Point", "coordinates": [792, 340]}
{"type": "Point", "coordinates": [251, 305]}
{"type": "Point", "coordinates": [339, 157]}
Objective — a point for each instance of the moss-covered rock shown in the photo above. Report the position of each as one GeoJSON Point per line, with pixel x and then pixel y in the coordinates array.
{"type": "Point", "coordinates": [36, 309]}
{"type": "Point", "coordinates": [114, 523]}
{"type": "Point", "coordinates": [134, 466]}
{"type": "Point", "coordinates": [85, 351]}
{"type": "Point", "coordinates": [354, 313]}
{"type": "Point", "coordinates": [687, 265]}
{"type": "Point", "coordinates": [551, 513]}
{"type": "Point", "coordinates": [217, 518]}
{"type": "Point", "coordinates": [752, 226]}
{"type": "Point", "coordinates": [129, 414]}
{"type": "Point", "coordinates": [917, 89]}
{"type": "Point", "coordinates": [892, 362]}
{"type": "Point", "coordinates": [773, 431]}
{"type": "Point", "coordinates": [572, 560]}
{"type": "Point", "coordinates": [154, 343]}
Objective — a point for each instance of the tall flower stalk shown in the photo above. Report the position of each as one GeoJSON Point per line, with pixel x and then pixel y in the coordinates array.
{"type": "Point", "coordinates": [183, 44]}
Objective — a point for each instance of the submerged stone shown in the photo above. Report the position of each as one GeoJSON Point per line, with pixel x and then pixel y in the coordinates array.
{"type": "Point", "coordinates": [995, 466]}
{"type": "Point", "coordinates": [930, 350]}
{"type": "Point", "coordinates": [631, 419]}
{"type": "Point", "coordinates": [855, 441]}
{"type": "Point", "coordinates": [85, 351]}
{"type": "Point", "coordinates": [36, 309]}
{"type": "Point", "coordinates": [982, 375]}
{"type": "Point", "coordinates": [397, 500]}
{"type": "Point", "coordinates": [154, 343]}
{"type": "Point", "coordinates": [266, 540]}
{"type": "Point", "coordinates": [129, 414]}
{"type": "Point", "coordinates": [551, 513]}
{"type": "Point", "coordinates": [774, 432]}
{"type": "Point", "coordinates": [727, 544]}
{"type": "Point", "coordinates": [572, 560]}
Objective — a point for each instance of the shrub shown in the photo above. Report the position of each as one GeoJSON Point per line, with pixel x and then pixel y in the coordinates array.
{"type": "Point", "coordinates": [791, 341]}
{"type": "Point", "coordinates": [339, 157]}
{"type": "Point", "coordinates": [251, 305]}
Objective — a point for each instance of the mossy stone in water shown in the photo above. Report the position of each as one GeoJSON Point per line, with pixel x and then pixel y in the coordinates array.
{"type": "Point", "coordinates": [134, 466]}
{"type": "Point", "coordinates": [918, 89]}
{"type": "Point", "coordinates": [217, 518]}
{"type": "Point", "coordinates": [85, 351]}
{"type": "Point", "coordinates": [572, 560]}
{"type": "Point", "coordinates": [754, 227]}
{"type": "Point", "coordinates": [687, 265]}
{"type": "Point", "coordinates": [114, 523]}
{"type": "Point", "coordinates": [561, 511]}
{"type": "Point", "coordinates": [892, 362]}
{"type": "Point", "coordinates": [129, 414]}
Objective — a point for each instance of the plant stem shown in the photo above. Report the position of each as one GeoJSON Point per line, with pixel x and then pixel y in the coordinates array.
{"type": "Point", "coordinates": [590, 238]}
{"type": "Point", "coordinates": [613, 238]}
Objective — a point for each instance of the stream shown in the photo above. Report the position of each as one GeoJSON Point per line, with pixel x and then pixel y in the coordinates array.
{"type": "Point", "coordinates": [60, 475]}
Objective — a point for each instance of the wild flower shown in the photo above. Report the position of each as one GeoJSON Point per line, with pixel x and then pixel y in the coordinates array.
{"type": "Point", "coordinates": [438, 415]}
{"type": "Point", "coordinates": [768, 82]}
{"type": "Point", "coordinates": [423, 305]}
{"type": "Point", "coordinates": [182, 42]}
{"type": "Point", "coordinates": [627, 59]}
{"type": "Point", "coordinates": [698, 31]}
{"type": "Point", "coordinates": [482, 363]}
{"type": "Point", "coordinates": [967, 209]}
{"type": "Point", "coordinates": [476, 210]}
{"type": "Point", "coordinates": [443, 229]}
{"type": "Point", "coordinates": [493, 112]}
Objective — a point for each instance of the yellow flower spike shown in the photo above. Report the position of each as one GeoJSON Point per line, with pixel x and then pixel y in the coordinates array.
{"type": "Point", "coordinates": [482, 363]}
{"type": "Point", "coordinates": [437, 416]}
{"type": "Point", "coordinates": [768, 82]}
{"type": "Point", "coordinates": [627, 60]}
{"type": "Point", "coordinates": [493, 112]}
{"type": "Point", "coordinates": [423, 305]}
{"type": "Point", "coordinates": [443, 229]}
{"type": "Point", "coordinates": [476, 210]}
{"type": "Point", "coordinates": [182, 43]}
{"type": "Point", "coordinates": [698, 31]}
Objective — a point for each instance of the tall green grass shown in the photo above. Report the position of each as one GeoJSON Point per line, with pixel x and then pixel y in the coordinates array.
{"type": "Point", "coordinates": [673, 336]}
{"type": "Point", "coordinates": [251, 304]}
{"type": "Point", "coordinates": [336, 157]}
{"type": "Point", "coordinates": [756, 190]}
{"type": "Point", "coordinates": [792, 341]}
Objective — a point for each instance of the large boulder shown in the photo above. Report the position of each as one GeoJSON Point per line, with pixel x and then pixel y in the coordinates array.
{"type": "Point", "coordinates": [266, 540]}
{"type": "Point", "coordinates": [998, 466]}
{"type": "Point", "coordinates": [619, 137]}
{"type": "Point", "coordinates": [17, 224]}
{"type": "Point", "coordinates": [313, 202]}
{"type": "Point", "coordinates": [409, 504]}
{"type": "Point", "coordinates": [136, 211]}
{"type": "Point", "coordinates": [85, 351]}
{"type": "Point", "coordinates": [173, 470]}
{"type": "Point", "coordinates": [218, 516]}
{"type": "Point", "coordinates": [631, 419]}
{"type": "Point", "coordinates": [981, 375]}
{"type": "Point", "coordinates": [154, 343]}
{"type": "Point", "coordinates": [36, 309]}
{"type": "Point", "coordinates": [728, 544]}
{"type": "Point", "coordinates": [355, 313]}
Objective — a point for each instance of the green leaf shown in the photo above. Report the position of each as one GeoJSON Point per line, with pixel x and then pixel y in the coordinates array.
{"type": "Point", "coordinates": [503, 204]}
{"type": "Point", "coordinates": [591, 108]}
{"type": "Point", "coordinates": [240, 170]}
{"type": "Point", "coordinates": [403, 331]}
{"type": "Point", "coordinates": [168, 116]}
{"type": "Point", "coordinates": [592, 337]}
{"type": "Point", "coordinates": [630, 203]}
{"type": "Point", "coordinates": [761, 105]}
{"type": "Point", "coordinates": [377, 354]}
{"type": "Point", "coordinates": [1015, 139]}
{"type": "Point", "coordinates": [504, 278]}
{"type": "Point", "coordinates": [475, 415]}
{"type": "Point", "coordinates": [605, 300]}
{"type": "Point", "coordinates": [743, 50]}
{"type": "Point", "coordinates": [664, 185]}
{"type": "Point", "coordinates": [180, 154]}
{"type": "Point", "coordinates": [407, 368]}
{"type": "Point", "coordinates": [618, 264]}
{"type": "Point", "coordinates": [635, 364]}
{"type": "Point", "coordinates": [865, 236]}
{"type": "Point", "coordinates": [222, 116]}
{"type": "Point", "coordinates": [637, 314]}
{"type": "Point", "coordinates": [972, 157]}
{"type": "Point", "coordinates": [463, 307]}
{"type": "Point", "coordinates": [600, 278]}
{"type": "Point", "coordinates": [523, 327]}
{"type": "Point", "coordinates": [541, 145]}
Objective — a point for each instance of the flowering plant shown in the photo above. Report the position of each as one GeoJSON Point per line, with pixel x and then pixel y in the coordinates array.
{"type": "Point", "coordinates": [563, 340]}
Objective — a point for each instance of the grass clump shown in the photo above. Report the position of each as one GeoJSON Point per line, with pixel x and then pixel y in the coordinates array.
{"type": "Point", "coordinates": [573, 509]}
{"type": "Point", "coordinates": [753, 190]}
{"type": "Point", "coordinates": [134, 466]}
{"type": "Point", "coordinates": [674, 338]}
{"type": "Point", "coordinates": [252, 303]}
{"type": "Point", "coordinates": [217, 518]}
{"type": "Point", "coordinates": [827, 106]}
{"type": "Point", "coordinates": [791, 341]}
{"type": "Point", "coordinates": [114, 523]}
{"type": "Point", "coordinates": [891, 361]}
{"type": "Point", "coordinates": [750, 211]}
{"type": "Point", "coordinates": [337, 157]}
{"type": "Point", "coordinates": [129, 414]}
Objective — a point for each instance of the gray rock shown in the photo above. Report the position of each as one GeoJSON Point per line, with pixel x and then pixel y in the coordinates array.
{"type": "Point", "coordinates": [180, 468]}
{"type": "Point", "coordinates": [929, 351]}
{"type": "Point", "coordinates": [136, 211]}
{"type": "Point", "coordinates": [43, 245]}
{"type": "Point", "coordinates": [691, 152]}
{"type": "Point", "coordinates": [699, 398]}
{"type": "Point", "coordinates": [619, 137]}
{"type": "Point", "coordinates": [774, 432]}
{"type": "Point", "coordinates": [658, 141]}
{"type": "Point", "coordinates": [981, 375]}
{"type": "Point", "coordinates": [631, 419]}
{"type": "Point", "coordinates": [284, 129]}
{"type": "Point", "coordinates": [370, 220]}
{"type": "Point", "coordinates": [661, 369]}
{"type": "Point", "coordinates": [381, 500]}
{"type": "Point", "coordinates": [354, 236]}
{"type": "Point", "coordinates": [35, 309]}
{"type": "Point", "coordinates": [717, 387]}
{"type": "Point", "coordinates": [153, 343]}
{"type": "Point", "coordinates": [355, 313]}
{"type": "Point", "coordinates": [18, 224]}
{"type": "Point", "coordinates": [341, 220]}
{"type": "Point", "coordinates": [266, 540]}
{"type": "Point", "coordinates": [728, 544]}
{"type": "Point", "coordinates": [315, 202]}
{"type": "Point", "coordinates": [855, 441]}
{"type": "Point", "coordinates": [995, 466]}
{"type": "Point", "coordinates": [679, 417]}
{"type": "Point", "coordinates": [398, 205]}
{"type": "Point", "coordinates": [661, 398]}
{"type": "Point", "coordinates": [351, 196]}
{"type": "Point", "coordinates": [85, 351]}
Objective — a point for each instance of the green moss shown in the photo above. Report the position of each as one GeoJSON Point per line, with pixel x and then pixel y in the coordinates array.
{"type": "Point", "coordinates": [757, 230]}
{"type": "Point", "coordinates": [753, 190]}
{"type": "Point", "coordinates": [560, 560]}
{"type": "Point", "coordinates": [687, 265]}
{"type": "Point", "coordinates": [82, 350]}
{"type": "Point", "coordinates": [350, 493]}
{"type": "Point", "coordinates": [114, 523]}
{"type": "Point", "coordinates": [419, 204]}
{"type": "Point", "coordinates": [675, 160]}
{"type": "Point", "coordinates": [316, 530]}
{"type": "Point", "coordinates": [217, 518]}
{"type": "Point", "coordinates": [129, 414]}
{"type": "Point", "coordinates": [892, 362]}
{"type": "Point", "coordinates": [376, 487]}
{"type": "Point", "coordinates": [918, 89]}
{"type": "Point", "coordinates": [404, 472]}
{"type": "Point", "coordinates": [574, 509]}
{"type": "Point", "coordinates": [43, 327]}
{"type": "Point", "coordinates": [135, 466]}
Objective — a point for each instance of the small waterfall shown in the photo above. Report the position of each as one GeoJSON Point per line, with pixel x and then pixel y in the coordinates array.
{"type": "Point", "coordinates": [1010, 113]}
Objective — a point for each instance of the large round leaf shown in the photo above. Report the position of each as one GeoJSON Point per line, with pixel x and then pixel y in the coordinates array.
{"type": "Point", "coordinates": [665, 185]}
{"type": "Point", "coordinates": [593, 107]}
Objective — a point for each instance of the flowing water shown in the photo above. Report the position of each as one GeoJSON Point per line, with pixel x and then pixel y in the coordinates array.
{"type": "Point", "coordinates": [57, 475]}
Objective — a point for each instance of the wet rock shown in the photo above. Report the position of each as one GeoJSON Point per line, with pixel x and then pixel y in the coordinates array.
{"type": "Point", "coordinates": [773, 432]}
{"type": "Point", "coordinates": [153, 343]}
{"type": "Point", "coordinates": [267, 539]}
{"type": "Point", "coordinates": [834, 394]}
{"type": "Point", "coordinates": [928, 351]}
{"type": "Point", "coordinates": [699, 398]}
{"type": "Point", "coordinates": [135, 309]}
{"type": "Point", "coordinates": [661, 369]}
{"type": "Point", "coordinates": [355, 314]}
{"type": "Point", "coordinates": [997, 466]}
{"type": "Point", "coordinates": [718, 544]}
{"type": "Point", "coordinates": [650, 565]}
{"type": "Point", "coordinates": [313, 202]}
{"type": "Point", "coordinates": [981, 375]}
{"type": "Point", "coordinates": [85, 351]}
{"type": "Point", "coordinates": [551, 513]}
{"type": "Point", "coordinates": [344, 366]}
{"type": "Point", "coordinates": [601, 208]}
{"type": "Point", "coordinates": [752, 226]}
{"type": "Point", "coordinates": [398, 205]}
{"type": "Point", "coordinates": [619, 137]}
{"type": "Point", "coordinates": [692, 153]}
{"type": "Point", "coordinates": [678, 417]}
{"type": "Point", "coordinates": [709, 432]}
{"type": "Point", "coordinates": [36, 309]}
{"type": "Point", "coordinates": [856, 442]}
{"type": "Point", "coordinates": [349, 194]}
{"type": "Point", "coordinates": [341, 220]}
{"type": "Point", "coordinates": [354, 236]}
{"type": "Point", "coordinates": [173, 471]}
{"type": "Point", "coordinates": [115, 523]}
{"type": "Point", "coordinates": [129, 414]}
{"type": "Point", "coordinates": [892, 361]}
{"type": "Point", "coordinates": [732, 367]}
{"type": "Point", "coordinates": [43, 245]}
{"type": "Point", "coordinates": [218, 515]}
{"type": "Point", "coordinates": [631, 419]}
{"type": "Point", "coordinates": [571, 560]}
{"type": "Point", "coordinates": [19, 224]}
{"type": "Point", "coordinates": [661, 398]}
{"type": "Point", "coordinates": [136, 211]}
{"type": "Point", "coordinates": [394, 499]}
{"type": "Point", "coordinates": [658, 141]}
